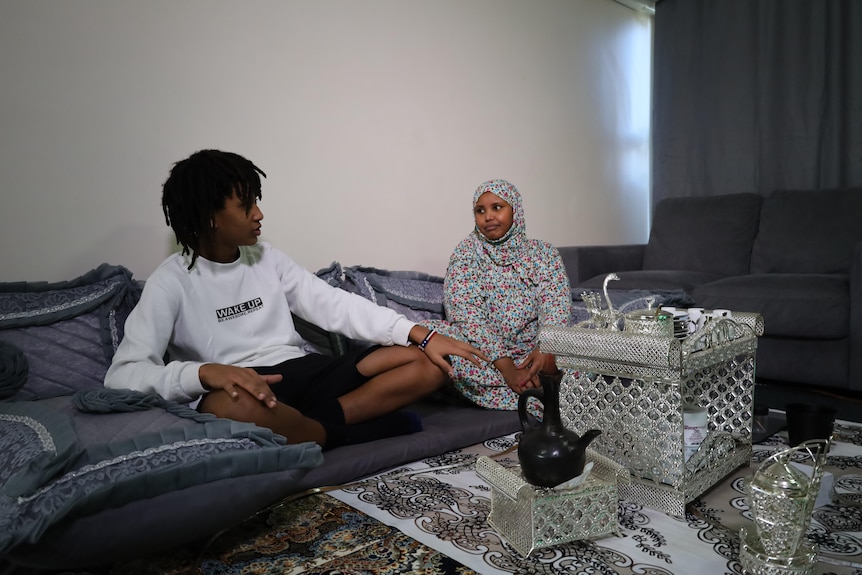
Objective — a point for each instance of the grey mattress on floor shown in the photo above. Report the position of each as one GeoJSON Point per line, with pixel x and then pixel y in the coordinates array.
{"type": "Point", "coordinates": [147, 525]}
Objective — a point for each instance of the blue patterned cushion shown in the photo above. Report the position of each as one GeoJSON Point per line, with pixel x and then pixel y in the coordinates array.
{"type": "Point", "coordinates": [13, 369]}
{"type": "Point", "coordinates": [417, 295]}
{"type": "Point", "coordinates": [36, 443]}
{"type": "Point", "coordinates": [68, 331]}
{"type": "Point", "coordinates": [333, 275]}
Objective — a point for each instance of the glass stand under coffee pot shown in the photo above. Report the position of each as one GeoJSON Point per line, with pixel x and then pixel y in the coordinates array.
{"type": "Point", "coordinates": [781, 495]}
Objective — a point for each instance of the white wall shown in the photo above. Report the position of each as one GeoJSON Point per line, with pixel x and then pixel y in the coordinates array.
{"type": "Point", "coordinates": [375, 120]}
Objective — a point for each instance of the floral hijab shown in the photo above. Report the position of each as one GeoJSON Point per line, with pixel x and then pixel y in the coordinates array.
{"type": "Point", "coordinates": [509, 249]}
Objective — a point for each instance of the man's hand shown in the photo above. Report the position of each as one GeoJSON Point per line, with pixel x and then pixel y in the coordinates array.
{"type": "Point", "coordinates": [441, 346]}
{"type": "Point", "coordinates": [229, 378]}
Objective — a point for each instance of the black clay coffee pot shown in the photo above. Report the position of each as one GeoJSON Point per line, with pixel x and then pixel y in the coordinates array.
{"type": "Point", "coordinates": [550, 454]}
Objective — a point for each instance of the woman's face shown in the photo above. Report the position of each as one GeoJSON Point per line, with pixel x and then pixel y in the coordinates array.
{"type": "Point", "coordinates": [493, 216]}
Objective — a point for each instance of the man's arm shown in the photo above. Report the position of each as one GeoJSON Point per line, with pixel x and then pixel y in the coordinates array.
{"type": "Point", "coordinates": [139, 364]}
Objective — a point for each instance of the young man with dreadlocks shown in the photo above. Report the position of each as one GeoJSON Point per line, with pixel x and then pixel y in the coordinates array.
{"type": "Point", "coordinates": [213, 325]}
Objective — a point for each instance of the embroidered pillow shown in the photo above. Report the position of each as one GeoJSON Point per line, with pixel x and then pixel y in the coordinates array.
{"type": "Point", "coordinates": [13, 369]}
{"type": "Point", "coordinates": [36, 444]}
{"type": "Point", "coordinates": [417, 295]}
{"type": "Point", "coordinates": [67, 331]}
{"type": "Point", "coordinates": [333, 275]}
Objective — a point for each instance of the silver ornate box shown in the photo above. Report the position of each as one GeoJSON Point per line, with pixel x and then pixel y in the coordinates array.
{"type": "Point", "coordinates": [634, 387]}
{"type": "Point", "coordinates": [531, 517]}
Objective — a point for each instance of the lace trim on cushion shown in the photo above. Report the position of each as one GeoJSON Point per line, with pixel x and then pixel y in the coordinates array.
{"type": "Point", "coordinates": [136, 463]}
{"type": "Point", "coordinates": [42, 433]}
{"type": "Point", "coordinates": [144, 474]}
{"type": "Point", "coordinates": [69, 300]}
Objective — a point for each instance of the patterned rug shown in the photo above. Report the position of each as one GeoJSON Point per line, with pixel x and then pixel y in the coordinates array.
{"type": "Point", "coordinates": [444, 504]}
{"type": "Point", "coordinates": [313, 535]}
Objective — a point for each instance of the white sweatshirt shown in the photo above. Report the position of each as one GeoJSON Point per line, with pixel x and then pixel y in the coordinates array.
{"type": "Point", "coordinates": [235, 314]}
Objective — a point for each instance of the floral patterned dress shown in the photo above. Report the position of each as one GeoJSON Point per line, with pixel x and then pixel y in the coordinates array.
{"type": "Point", "coordinates": [497, 295]}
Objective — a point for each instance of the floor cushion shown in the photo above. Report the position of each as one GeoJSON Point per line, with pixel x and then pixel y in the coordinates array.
{"type": "Point", "coordinates": [133, 478]}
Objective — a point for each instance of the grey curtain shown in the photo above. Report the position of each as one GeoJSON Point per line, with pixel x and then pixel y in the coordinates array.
{"type": "Point", "coordinates": [756, 95]}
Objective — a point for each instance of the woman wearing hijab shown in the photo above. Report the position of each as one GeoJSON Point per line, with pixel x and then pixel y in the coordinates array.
{"type": "Point", "coordinates": [500, 287]}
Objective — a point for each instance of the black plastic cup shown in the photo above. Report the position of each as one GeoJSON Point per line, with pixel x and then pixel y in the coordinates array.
{"type": "Point", "coordinates": [806, 421]}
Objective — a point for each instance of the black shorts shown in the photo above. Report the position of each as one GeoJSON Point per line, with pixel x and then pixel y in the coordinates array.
{"type": "Point", "coordinates": [315, 379]}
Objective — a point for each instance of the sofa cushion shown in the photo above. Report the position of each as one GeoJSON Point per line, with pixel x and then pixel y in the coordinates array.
{"type": "Point", "coordinates": [68, 331]}
{"type": "Point", "coordinates": [808, 231]}
{"type": "Point", "coordinates": [653, 280]}
{"type": "Point", "coordinates": [810, 306]}
{"type": "Point", "coordinates": [711, 234]}
{"type": "Point", "coordinates": [814, 363]}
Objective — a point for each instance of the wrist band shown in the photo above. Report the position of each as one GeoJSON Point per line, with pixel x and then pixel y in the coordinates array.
{"type": "Point", "coordinates": [425, 341]}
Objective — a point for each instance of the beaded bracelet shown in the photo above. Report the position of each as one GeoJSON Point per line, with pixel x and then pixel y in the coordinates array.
{"type": "Point", "coordinates": [425, 341]}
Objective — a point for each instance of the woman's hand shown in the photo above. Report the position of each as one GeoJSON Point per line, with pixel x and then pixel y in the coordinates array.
{"type": "Point", "coordinates": [538, 362]}
{"type": "Point", "coordinates": [229, 378]}
{"type": "Point", "coordinates": [517, 378]}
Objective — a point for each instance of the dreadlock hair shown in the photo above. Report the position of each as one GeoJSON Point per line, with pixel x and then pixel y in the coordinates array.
{"type": "Point", "coordinates": [197, 188]}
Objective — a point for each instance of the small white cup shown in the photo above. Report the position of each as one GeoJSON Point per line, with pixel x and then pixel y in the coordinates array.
{"type": "Point", "coordinates": [696, 319]}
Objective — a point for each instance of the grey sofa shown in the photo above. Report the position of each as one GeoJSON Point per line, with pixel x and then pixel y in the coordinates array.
{"type": "Point", "coordinates": [794, 256]}
{"type": "Point", "coordinates": [89, 475]}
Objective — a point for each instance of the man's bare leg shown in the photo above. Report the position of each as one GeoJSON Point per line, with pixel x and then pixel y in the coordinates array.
{"type": "Point", "coordinates": [399, 376]}
{"type": "Point", "coordinates": [281, 419]}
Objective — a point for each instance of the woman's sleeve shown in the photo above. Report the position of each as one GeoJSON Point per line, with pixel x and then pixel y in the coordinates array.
{"type": "Point", "coordinates": [555, 294]}
{"type": "Point", "coordinates": [466, 308]}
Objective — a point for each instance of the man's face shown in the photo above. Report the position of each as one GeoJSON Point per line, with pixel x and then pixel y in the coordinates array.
{"type": "Point", "coordinates": [233, 226]}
